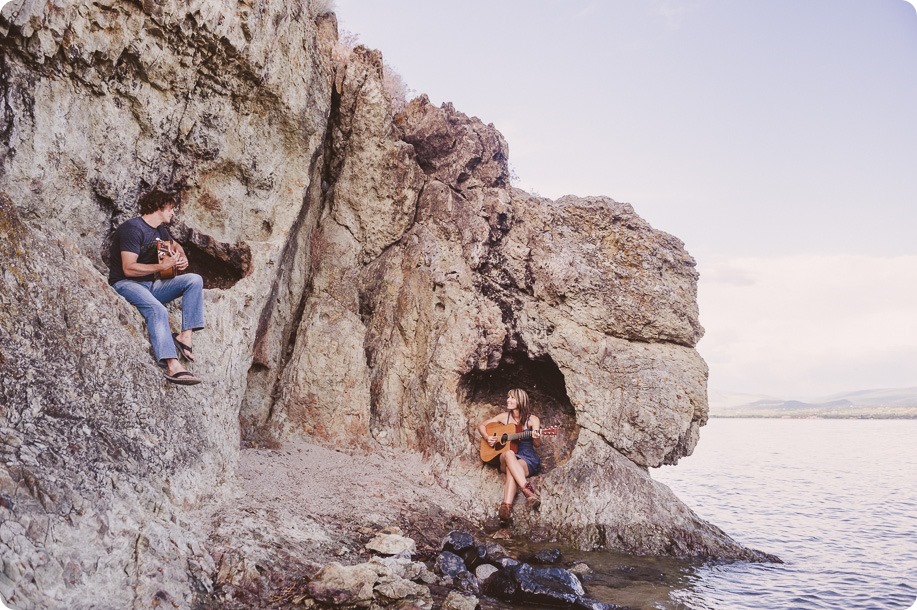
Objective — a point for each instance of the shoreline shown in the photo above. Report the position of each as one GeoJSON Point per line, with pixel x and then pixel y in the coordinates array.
{"type": "Point", "coordinates": [877, 416]}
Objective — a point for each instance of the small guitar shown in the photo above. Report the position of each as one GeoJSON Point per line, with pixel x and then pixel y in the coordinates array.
{"type": "Point", "coordinates": [508, 436]}
{"type": "Point", "coordinates": [164, 248]}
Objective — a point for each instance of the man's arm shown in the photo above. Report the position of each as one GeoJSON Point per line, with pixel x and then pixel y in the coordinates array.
{"type": "Point", "coordinates": [134, 269]}
{"type": "Point", "coordinates": [182, 260]}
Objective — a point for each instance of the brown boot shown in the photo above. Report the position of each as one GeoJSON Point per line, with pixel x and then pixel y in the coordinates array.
{"type": "Point", "coordinates": [505, 513]}
{"type": "Point", "coordinates": [531, 496]}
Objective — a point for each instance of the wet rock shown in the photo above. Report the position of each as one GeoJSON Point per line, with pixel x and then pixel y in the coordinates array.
{"type": "Point", "coordinates": [467, 582]}
{"type": "Point", "coordinates": [581, 568]}
{"type": "Point", "coordinates": [506, 562]}
{"type": "Point", "coordinates": [449, 564]}
{"type": "Point", "coordinates": [549, 556]}
{"type": "Point", "coordinates": [548, 586]}
{"type": "Point", "coordinates": [458, 542]}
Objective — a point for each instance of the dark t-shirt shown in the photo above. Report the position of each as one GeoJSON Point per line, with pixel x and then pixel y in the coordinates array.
{"type": "Point", "coordinates": [138, 237]}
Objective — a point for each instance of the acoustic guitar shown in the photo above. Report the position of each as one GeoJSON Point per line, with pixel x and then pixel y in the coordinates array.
{"type": "Point", "coordinates": [165, 248]}
{"type": "Point", "coordinates": [508, 436]}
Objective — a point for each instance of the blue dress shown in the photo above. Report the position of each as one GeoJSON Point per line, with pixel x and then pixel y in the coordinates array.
{"type": "Point", "coordinates": [526, 452]}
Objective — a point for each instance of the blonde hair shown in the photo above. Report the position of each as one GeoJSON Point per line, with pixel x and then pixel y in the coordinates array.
{"type": "Point", "coordinates": [522, 403]}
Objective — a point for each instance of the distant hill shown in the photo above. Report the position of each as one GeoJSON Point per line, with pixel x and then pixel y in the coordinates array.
{"type": "Point", "coordinates": [888, 403]}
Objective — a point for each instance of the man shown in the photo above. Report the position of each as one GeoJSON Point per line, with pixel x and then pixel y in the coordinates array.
{"type": "Point", "coordinates": [134, 267]}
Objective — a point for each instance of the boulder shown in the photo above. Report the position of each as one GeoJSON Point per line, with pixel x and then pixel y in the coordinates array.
{"type": "Point", "coordinates": [340, 585]}
{"type": "Point", "coordinates": [449, 564]}
{"type": "Point", "coordinates": [457, 601]}
{"type": "Point", "coordinates": [524, 584]}
{"type": "Point", "coordinates": [392, 544]}
{"type": "Point", "coordinates": [457, 542]}
{"type": "Point", "coordinates": [548, 556]}
{"type": "Point", "coordinates": [484, 571]}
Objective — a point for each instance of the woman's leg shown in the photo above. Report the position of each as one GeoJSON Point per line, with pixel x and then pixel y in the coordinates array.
{"type": "Point", "coordinates": [516, 473]}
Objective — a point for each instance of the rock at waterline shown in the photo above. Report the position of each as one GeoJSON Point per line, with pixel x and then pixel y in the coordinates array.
{"type": "Point", "coordinates": [449, 564]}
{"type": "Point", "coordinates": [457, 542]}
{"type": "Point", "coordinates": [549, 586]}
{"type": "Point", "coordinates": [549, 556]}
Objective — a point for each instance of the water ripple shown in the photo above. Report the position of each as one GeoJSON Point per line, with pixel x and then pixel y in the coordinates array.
{"type": "Point", "coordinates": [843, 520]}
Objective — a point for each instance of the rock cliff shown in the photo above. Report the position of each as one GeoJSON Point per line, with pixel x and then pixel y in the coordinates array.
{"type": "Point", "coordinates": [373, 281]}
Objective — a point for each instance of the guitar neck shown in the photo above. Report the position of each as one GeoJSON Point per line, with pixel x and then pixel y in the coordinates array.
{"type": "Point", "coordinates": [519, 435]}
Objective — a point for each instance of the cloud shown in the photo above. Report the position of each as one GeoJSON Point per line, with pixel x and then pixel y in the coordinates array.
{"type": "Point", "coordinates": [673, 12]}
{"type": "Point", "coordinates": [804, 326]}
{"type": "Point", "coordinates": [589, 9]}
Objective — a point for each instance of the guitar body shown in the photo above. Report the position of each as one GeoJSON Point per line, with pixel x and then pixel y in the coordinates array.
{"type": "Point", "coordinates": [502, 431]}
{"type": "Point", "coordinates": [508, 436]}
{"type": "Point", "coordinates": [164, 248]}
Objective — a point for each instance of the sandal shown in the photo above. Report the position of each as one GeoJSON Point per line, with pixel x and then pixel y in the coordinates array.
{"type": "Point", "coordinates": [183, 378]}
{"type": "Point", "coordinates": [505, 513]}
{"type": "Point", "coordinates": [532, 499]}
{"type": "Point", "coordinates": [184, 351]}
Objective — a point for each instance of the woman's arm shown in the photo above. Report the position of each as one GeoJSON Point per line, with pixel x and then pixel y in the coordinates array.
{"type": "Point", "coordinates": [536, 430]}
{"type": "Point", "coordinates": [482, 427]}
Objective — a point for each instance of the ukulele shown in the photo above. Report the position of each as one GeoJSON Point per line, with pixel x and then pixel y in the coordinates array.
{"type": "Point", "coordinates": [164, 248]}
{"type": "Point", "coordinates": [508, 436]}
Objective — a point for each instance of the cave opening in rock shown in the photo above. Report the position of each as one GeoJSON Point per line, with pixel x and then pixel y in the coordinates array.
{"type": "Point", "coordinates": [220, 264]}
{"type": "Point", "coordinates": [219, 269]}
{"type": "Point", "coordinates": [483, 394]}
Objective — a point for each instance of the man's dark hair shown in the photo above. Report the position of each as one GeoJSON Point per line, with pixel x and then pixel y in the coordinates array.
{"type": "Point", "coordinates": [157, 200]}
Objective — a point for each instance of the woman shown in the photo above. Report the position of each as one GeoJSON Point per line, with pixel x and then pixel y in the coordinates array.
{"type": "Point", "coordinates": [522, 463]}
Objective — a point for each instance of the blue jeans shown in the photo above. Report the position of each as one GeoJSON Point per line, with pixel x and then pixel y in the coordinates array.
{"type": "Point", "coordinates": [150, 299]}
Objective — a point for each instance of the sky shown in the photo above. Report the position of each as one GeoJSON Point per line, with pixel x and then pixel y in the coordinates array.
{"type": "Point", "coordinates": [777, 139]}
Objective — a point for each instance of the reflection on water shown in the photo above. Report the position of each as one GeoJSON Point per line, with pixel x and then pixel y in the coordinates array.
{"type": "Point", "coordinates": [644, 583]}
{"type": "Point", "coordinates": [835, 499]}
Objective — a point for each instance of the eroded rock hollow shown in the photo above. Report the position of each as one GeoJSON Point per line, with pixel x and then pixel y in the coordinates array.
{"type": "Point", "coordinates": [373, 281]}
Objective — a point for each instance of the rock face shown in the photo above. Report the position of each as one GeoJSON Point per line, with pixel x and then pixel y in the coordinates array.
{"type": "Point", "coordinates": [370, 280]}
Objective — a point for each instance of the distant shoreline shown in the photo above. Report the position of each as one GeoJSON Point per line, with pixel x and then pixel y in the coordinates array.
{"type": "Point", "coordinates": [910, 416]}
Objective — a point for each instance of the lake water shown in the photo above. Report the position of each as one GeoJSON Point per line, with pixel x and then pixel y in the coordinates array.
{"type": "Point", "coordinates": [836, 500]}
